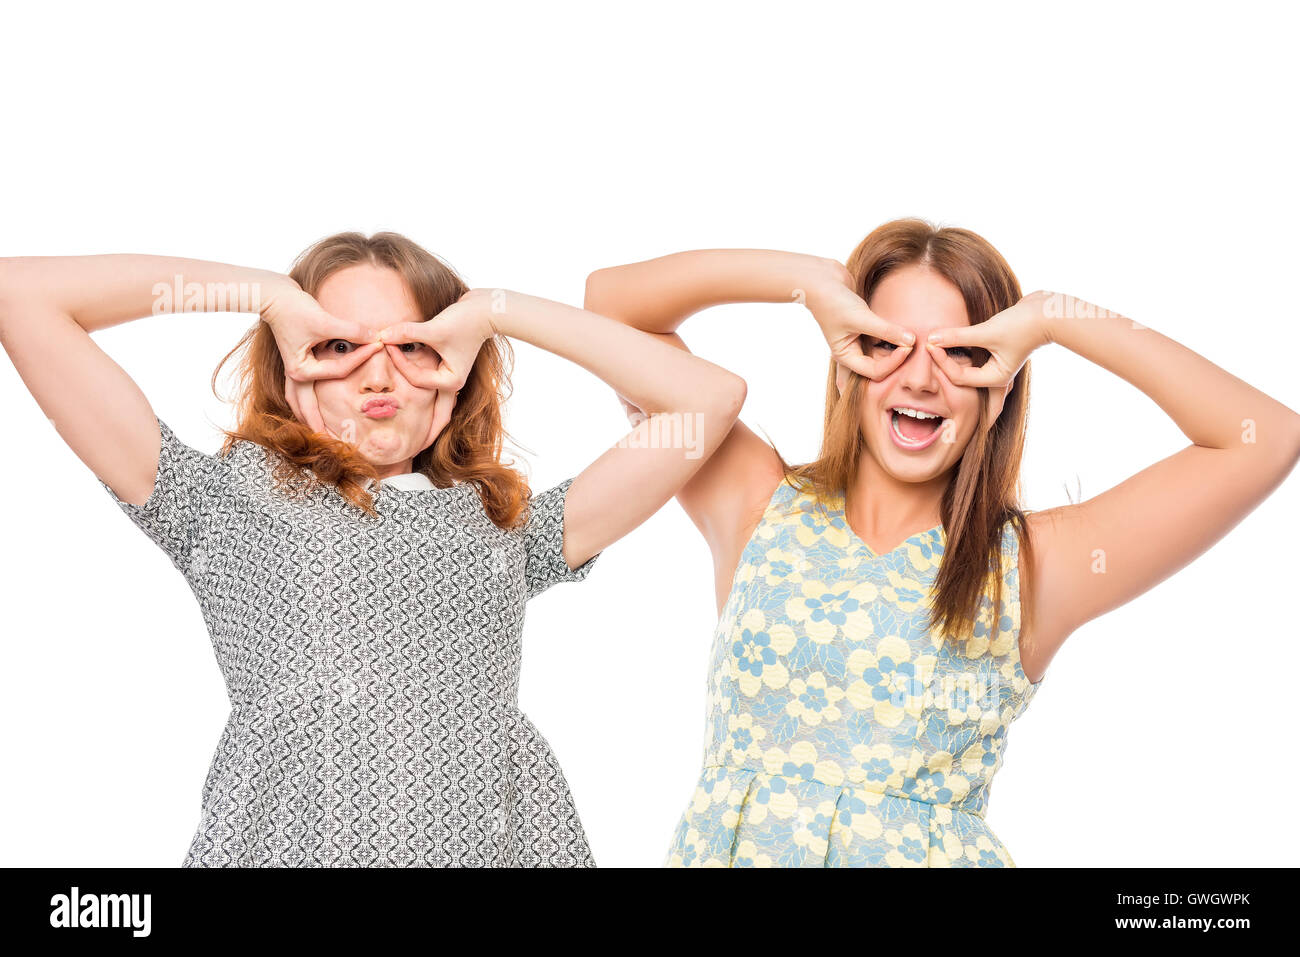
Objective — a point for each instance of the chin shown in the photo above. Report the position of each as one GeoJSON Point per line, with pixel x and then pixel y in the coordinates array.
{"type": "Point", "coordinates": [914, 467]}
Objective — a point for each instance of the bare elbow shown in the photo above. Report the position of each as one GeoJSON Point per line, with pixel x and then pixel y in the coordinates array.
{"type": "Point", "coordinates": [742, 393]}
{"type": "Point", "coordinates": [733, 395]}
{"type": "Point", "coordinates": [594, 294]}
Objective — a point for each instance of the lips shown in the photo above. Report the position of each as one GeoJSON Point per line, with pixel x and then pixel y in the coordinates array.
{"type": "Point", "coordinates": [916, 438]}
{"type": "Point", "coordinates": [379, 408]}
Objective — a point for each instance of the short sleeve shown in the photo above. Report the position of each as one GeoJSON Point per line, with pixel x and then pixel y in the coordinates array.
{"type": "Point", "coordinates": [544, 542]}
{"type": "Point", "coordinates": [172, 516]}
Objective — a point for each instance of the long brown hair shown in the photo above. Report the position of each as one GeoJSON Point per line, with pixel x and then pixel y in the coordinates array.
{"type": "Point", "coordinates": [985, 493]}
{"type": "Point", "coordinates": [467, 450]}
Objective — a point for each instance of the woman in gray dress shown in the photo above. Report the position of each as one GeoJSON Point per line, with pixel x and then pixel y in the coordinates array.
{"type": "Point", "coordinates": [361, 554]}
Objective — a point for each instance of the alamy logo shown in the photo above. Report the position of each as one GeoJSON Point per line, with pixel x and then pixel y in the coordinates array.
{"type": "Point", "coordinates": [101, 910]}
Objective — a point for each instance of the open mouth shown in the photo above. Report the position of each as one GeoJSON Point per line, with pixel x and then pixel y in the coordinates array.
{"type": "Point", "coordinates": [914, 428]}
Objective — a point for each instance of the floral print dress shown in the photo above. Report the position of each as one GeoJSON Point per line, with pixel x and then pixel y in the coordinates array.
{"type": "Point", "coordinates": [841, 732]}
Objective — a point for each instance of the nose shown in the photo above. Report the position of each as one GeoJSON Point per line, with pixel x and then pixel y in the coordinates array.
{"type": "Point", "coordinates": [378, 374]}
{"type": "Point", "coordinates": [919, 371]}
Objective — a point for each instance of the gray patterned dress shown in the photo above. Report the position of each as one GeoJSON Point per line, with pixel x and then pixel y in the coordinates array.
{"type": "Point", "coordinates": [372, 665]}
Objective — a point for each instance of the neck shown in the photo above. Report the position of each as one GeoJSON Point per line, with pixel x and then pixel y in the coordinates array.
{"type": "Point", "coordinates": [879, 507]}
{"type": "Point", "coordinates": [395, 468]}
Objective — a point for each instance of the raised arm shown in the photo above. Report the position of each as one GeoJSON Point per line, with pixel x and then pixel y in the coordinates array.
{"type": "Point", "coordinates": [49, 306]}
{"type": "Point", "coordinates": [726, 497]}
{"type": "Point", "coordinates": [1096, 555]}
{"type": "Point", "coordinates": [691, 403]}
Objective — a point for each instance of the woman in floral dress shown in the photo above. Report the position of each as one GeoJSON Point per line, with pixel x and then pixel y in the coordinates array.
{"type": "Point", "coordinates": [889, 609]}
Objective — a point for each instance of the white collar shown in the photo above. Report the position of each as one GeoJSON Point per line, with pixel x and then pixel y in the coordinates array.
{"type": "Point", "coordinates": [407, 481]}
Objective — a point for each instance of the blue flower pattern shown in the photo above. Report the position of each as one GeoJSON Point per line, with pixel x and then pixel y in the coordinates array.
{"type": "Point", "coordinates": [841, 731]}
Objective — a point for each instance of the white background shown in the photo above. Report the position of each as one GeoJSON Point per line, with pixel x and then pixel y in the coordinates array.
{"type": "Point", "coordinates": [1138, 156]}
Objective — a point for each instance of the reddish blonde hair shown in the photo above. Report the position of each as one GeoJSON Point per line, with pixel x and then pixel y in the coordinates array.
{"type": "Point", "coordinates": [467, 450]}
{"type": "Point", "coordinates": [985, 492]}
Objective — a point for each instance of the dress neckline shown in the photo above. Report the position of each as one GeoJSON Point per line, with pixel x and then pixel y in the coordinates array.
{"type": "Point", "coordinates": [406, 482]}
{"type": "Point", "coordinates": [856, 541]}
{"type": "Point", "coordinates": [461, 498]}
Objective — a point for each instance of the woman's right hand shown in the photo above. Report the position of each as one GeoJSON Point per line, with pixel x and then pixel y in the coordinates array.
{"type": "Point", "coordinates": [300, 325]}
{"type": "Point", "coordinates": [844, 319]}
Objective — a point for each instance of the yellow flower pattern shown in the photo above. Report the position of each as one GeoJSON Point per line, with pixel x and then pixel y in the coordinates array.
{"type": "Point", "coordinates": [841, 731]}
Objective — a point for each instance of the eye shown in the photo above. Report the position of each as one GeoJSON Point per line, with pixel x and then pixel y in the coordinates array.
{"type": "Point", "coordinates": [336, 346]}
{"type": "Point", "coordinates": [959, 352]}
{"type": "Point", "coordinates": [880, 344]}
{"type": "Point", "coordinates": [420, 353]}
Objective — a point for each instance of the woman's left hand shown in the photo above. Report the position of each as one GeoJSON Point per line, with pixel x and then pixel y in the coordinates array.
{"type": "Point", "coordinates": [1008, 337]}
{"type": "Point", "coordinates": [446, 345]}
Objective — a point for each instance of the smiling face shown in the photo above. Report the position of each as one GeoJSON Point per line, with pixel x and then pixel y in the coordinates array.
{"type": "Point", "coordinates": [375, 407]}
{"type": "Point", "coordinates": [928, 439]}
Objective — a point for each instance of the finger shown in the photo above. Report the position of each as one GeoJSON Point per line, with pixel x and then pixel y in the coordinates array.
{"type": "Point", "coordinates": [443, 377]}
{"type": "Point", "coordinates": [307, 366]}
{"type": "Point", "coordinates": [418, 376]}
{"type": "Point", "coordinates": [443, 404]}
{"type": "Point", "coordinates": [335, 366]}
{"type": "Point", "coordinates": [874, 368]}
{"type": "Point", "coordinates": [885, 367]}
{"type": "Point", "coordinates": [325, 325]}
{"type": "Point", "coordinates": [872, 325]}
{"type": "Point", "coordinates": [292, 388]}
{"type": "Point", "coordinates": [958, 374]}
{"type": "Point", "coordinates": [294, 364]}
{"type": "Point", "coordinates": [890, 332]}
{"type": "Point", "coordinates": [408, 332]}
{"type": "Point", "coordinates": [291, 397]}
{"type": "Point", "coordinates": [976, 335]}
{"type": "Point", "coordinates": [310, 403]}
{"type": "Point", "coordinates": [863, 366]}
{"type": "Point", "coordinates": [302, 398]}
